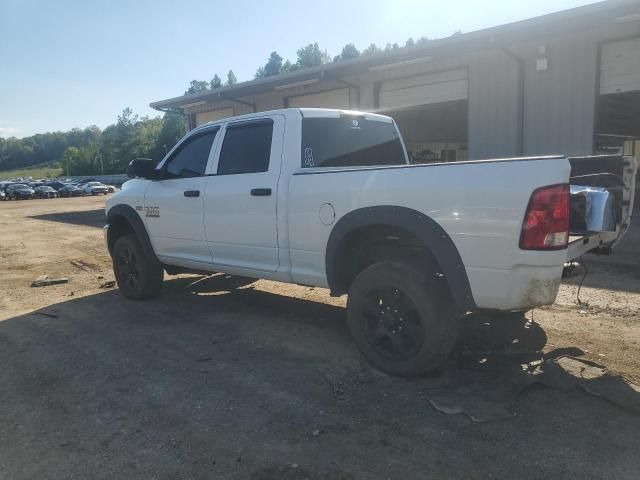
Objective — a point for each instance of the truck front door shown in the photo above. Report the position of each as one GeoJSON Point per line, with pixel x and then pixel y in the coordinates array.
{"type": "Point", "coordinates": [173, 208]}
{"type": "Point", "coordinates": [241, 196]}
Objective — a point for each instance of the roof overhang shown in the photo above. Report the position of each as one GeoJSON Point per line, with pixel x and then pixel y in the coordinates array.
{"type": "Point", "coordinates": [579, 17]}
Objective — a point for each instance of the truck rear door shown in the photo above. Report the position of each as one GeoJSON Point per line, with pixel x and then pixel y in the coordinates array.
{"type": "Point", "coordinates": [240, 202]}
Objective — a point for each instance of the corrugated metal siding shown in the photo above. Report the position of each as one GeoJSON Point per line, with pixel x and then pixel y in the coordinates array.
{"type": "Point", "coordinates": [560, 101]}
{"type": "Point", "coordinates": [204, 117]}
{"type": "Point", "coordinates": [493, 106]}
{"type": "Point", "coordinates": [338, 98]}
{"type": "Point", "coordinates": [445, 86]}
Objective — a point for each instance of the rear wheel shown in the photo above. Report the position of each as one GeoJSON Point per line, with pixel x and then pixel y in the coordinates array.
{"type": "Point", "coordinates": [400, 320]}
{"type": "Point", "coordinates": [138, 276]}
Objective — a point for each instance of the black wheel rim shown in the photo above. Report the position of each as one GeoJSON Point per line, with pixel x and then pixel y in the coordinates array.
{"type": "Point", "coordinates": [128, 273]}
{"type": "Point", "coordinates": [392, 323]}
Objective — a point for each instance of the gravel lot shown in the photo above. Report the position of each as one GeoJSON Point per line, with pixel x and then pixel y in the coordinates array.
{"type": "Point", "coordinates": [229, 378]}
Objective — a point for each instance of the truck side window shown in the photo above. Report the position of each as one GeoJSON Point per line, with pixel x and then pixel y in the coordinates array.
{"type": "Point", "coordinates": [190, 160]}
{"type": "Point", "coordinates": [350, 141]}
{"type": "Point", "coordinates": [246, 148]}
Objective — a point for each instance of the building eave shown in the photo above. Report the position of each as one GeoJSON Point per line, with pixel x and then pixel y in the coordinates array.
{"type": "Point", "coordinates": [485, 38]}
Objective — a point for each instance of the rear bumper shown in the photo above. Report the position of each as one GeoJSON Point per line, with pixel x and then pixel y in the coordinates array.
{"type": "Point", "coordinates": [521, 287]}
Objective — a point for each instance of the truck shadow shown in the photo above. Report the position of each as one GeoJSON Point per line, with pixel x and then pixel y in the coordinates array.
{"type": "Point", "coordinates": [224, 367]}
{"type": "Point", "coordinates": [90, 218]}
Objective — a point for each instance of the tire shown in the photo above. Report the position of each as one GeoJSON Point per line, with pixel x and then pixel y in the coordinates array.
{"type": "Point", "coordinates": [418, 329]}
{"type": "Point", "coordinates": [138, 276]}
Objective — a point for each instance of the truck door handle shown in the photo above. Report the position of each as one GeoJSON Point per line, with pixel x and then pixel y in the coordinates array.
{"type": "Point", "coordinates": [192, 193]}
{"type": "Point", "coordinates": [260, 192]}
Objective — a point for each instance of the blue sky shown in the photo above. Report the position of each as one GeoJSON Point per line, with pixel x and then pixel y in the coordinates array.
{"type": "Point", "coordinates": [69, 63]}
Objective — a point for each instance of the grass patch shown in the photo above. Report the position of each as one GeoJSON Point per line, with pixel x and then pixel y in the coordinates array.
{"type": "Point", "coordinates": [36, 173]}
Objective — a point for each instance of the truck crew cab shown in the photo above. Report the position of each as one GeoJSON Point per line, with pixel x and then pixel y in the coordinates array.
{"type": "Point", "coordinates": [328, 198]}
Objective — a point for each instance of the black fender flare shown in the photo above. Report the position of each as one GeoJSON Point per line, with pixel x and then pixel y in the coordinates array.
{"type": "Point", "coordinates": [422, 226]}
{"type": "Point", "coordinates": [136, 223]}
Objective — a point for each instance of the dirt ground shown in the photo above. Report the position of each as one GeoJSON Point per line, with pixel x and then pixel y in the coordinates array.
{"type": "Point", "coordinates": [229, 378]}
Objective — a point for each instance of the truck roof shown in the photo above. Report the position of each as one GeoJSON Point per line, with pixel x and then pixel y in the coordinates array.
{"type": "Point", "coordinates": [304, 112]}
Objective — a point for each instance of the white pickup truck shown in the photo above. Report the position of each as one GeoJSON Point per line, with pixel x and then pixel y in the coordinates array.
{"type": "Point", "coordinates": [328, 198]}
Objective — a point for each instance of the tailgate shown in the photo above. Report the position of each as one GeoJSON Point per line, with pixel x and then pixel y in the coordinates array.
{"type": "Point", "coordinates": [605, 176]}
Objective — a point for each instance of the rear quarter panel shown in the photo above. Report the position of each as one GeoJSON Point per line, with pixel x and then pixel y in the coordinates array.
{"type": "Point", "coordinates": [481, 205]}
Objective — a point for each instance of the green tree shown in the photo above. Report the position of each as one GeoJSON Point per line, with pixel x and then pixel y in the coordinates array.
{"type": "Point", "coordinates": [216, 82]}
{"type": "Point", "coordinates": [312, 56]}
{"type": "Point", "coordinates": [287, 67]}
{"type": "Point", "coordinates": [348, 51]}
{"type": "Point", "coordinates": [371, 49]}
{"type": "Point", "coordinates": [173, 129]}
{"type": "Point", "coordinates": [197, 86]}
{"type": "Point", "coordinates": [231, 78]}
{"type": "Point", "coordinates": [273, 65]}
{"type": "Point", "coordinates": [410, 42]}
{"type": "Point", "coordinates": [84, 151]}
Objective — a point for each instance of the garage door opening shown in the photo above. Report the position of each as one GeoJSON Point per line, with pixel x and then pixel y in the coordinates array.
{"type": "Point", "coordinates": [431, 112]}
{"type": "Point", "coordinates": [434, 133]}
{"type": "Point", "coordinates": [618, 124]}
{"type": "Point", "coordinates": [618, 114]}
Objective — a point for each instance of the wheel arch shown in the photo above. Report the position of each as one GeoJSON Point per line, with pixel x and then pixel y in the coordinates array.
{"type": "Point", "coordinates": [123, 219]}
{"type": "Point", "coordinates": [420, 227]}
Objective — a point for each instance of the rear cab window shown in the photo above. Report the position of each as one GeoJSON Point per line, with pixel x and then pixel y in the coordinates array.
{"type": "Point", "coordinates": [350, 141]}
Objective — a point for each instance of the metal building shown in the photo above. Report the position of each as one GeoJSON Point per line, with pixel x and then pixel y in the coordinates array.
{"type": "Point", "coordinates": [568, 83]}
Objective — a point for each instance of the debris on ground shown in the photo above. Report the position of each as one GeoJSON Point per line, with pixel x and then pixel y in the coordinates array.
{"type": "Point", "coordinates": [84, 266]}
{"type": "Point", "coordinates": [44, 280]}
{"type": "Point", "coordinates": [491, 395]}
{"type": "Point", "coordinates": [502, 357]}
{"type": "Point", "coordinates": [46, 314]}
{"type": "Point", "coordinates": [108, 284]}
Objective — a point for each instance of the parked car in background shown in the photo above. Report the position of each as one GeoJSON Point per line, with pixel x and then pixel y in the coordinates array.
{"type": "Point", "coordinates": [56, 185]}
{"type": "Point", "coordinates": [111, 188]}
{"type": "Point", "coordinates": [44, 191]}
{"type": "Point", "coordinates": [95, 188]}
{"type": "Point", "coordinates": [19, 191]}
{"type": "Point", "coordinates": [85, 181]}
{"type": "Point", "coordinates": [70, 191]}
{"type": "Point", "coordinates": [3, 196]}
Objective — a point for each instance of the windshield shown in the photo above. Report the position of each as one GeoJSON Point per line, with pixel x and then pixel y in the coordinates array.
{"type": "Point", "coordinates": [350, 141]}
{"type": "Point", "coordinates": [18, 186]}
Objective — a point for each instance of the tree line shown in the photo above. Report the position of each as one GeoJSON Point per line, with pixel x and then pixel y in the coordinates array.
{"type": "Point", "coordinates": [91, 150]}
{"type": "Point", "coordinates": [308, 56]}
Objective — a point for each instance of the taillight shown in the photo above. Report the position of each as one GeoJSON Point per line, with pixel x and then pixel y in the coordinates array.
{"type": "Point", "coordinates": [546, 223]}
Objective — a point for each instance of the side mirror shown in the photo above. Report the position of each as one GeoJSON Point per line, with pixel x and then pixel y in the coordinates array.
{"type": "Point", "coordinates": [142, 168]}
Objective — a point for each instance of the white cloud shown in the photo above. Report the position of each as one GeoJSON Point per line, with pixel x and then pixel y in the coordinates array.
{"type": "Point", "coordinates": [7, 132]}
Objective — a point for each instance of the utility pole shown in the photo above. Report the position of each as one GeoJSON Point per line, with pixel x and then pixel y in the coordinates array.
{"type": "Point", "coordinates": [101, 164]}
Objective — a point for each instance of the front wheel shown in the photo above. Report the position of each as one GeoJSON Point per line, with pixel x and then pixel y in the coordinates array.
{"type": "Point", "coordinates": [138, 276]}
{"type": "Point", "coordinates": [400, 320]}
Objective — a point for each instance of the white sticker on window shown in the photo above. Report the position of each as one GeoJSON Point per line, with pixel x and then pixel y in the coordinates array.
{"type": "Point", "coordinates": [308, 157]}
